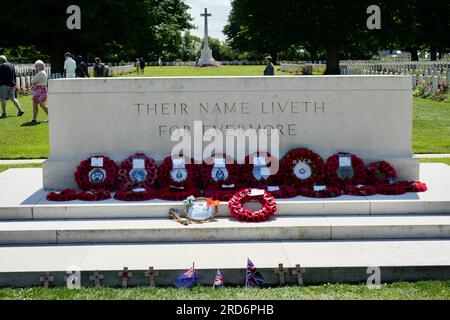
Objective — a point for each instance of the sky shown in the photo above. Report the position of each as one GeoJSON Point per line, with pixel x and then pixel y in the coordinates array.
{"type": "Point", "coordinates": [219, 10]}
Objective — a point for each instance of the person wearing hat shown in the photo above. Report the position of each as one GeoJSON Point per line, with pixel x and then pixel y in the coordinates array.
{"type": "Point", "coordinates": [99, 68]}
{"type": "Point", "coordinates": [269, 70]}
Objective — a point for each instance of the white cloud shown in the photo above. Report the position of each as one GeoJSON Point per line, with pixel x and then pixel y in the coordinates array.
{"type": "Point", "coordinates": [219, 9]}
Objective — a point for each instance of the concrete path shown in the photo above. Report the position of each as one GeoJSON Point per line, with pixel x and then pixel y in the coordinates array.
{"type": "Point", "coordinates": [443, 155]}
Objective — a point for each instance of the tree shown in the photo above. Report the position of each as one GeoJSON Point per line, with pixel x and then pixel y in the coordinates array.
{"type": "Point", "coordinates": [125, 29]}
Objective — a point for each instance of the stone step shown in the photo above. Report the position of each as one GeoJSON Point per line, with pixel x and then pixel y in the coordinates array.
{"type": "Point", "coordinates": [323, 261]}
{"type": "Point", "coordinates": [224, 229]}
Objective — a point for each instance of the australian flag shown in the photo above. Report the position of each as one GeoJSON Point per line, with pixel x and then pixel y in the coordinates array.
{"type": "Point", "coordinates": [254, 278]}
{"type": "Point", "coordinates": [218, 281]}
{"type": "Point", "coordinates": [187, 279]}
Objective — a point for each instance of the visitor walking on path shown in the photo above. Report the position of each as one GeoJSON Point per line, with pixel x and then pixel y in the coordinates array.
{"type": "Point", "coordinates": [39, 83]}
{"type": "Point", "coordinates": [99, 68]}
{"type": "Point", "coordinates": [142, 65]}
{"type": "Point", "coordinates": [7, 84]}
{"type": "Point", "coordinates": [269, 70]}
{"type": "Point", "coordinates": [70, 66]}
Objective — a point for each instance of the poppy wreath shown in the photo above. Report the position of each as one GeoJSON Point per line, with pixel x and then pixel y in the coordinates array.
{"type": "Point", "coordinates": [329, 192]}
{"type": "Point", "coordinates": [314, 161]}
{"type": "Point", "coordinates": [206, 172]}
{"type": "Point", "coordinates": [126, 179]}
{"type": "Point", "coordinates": [219, 193]}
{"type": "Point", "coordinates": [236, 205]}
{"type": "Point", "coordinates": [248, 179]}
{"type": "Point", "coordinates": [133, 195]}
{"type": "Point", "coordinates": [359, 174]}
{"type": "Point", "coordinates": [174, 194]}
{"type": "Point", "coordinates": [393, 189]}
{"type": "Point", "coordinates": [108, 171]}
{"type": "Point", "coordinates": [64, 195]}
{"type": "Point", "coordinates": [381, 172]}
{"type": "Point", "coordinates": [414, 186]}
{"type": "Point", "coordinates": [165, 177]}
{"type": "Point", "coordinates": [94, 195]}
{"type": "Point", "coordinates": [284, 192]}
{"type": "Point", "coordinates": [360, 190]}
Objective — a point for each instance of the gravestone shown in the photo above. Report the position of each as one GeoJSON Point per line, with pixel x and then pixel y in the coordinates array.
{"type": "Point", "coordinates": [370, 116]}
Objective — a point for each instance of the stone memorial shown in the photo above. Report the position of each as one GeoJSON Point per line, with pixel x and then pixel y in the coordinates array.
{"type": "Point", "coordinates": [370, 116]}
{"type": "Point", "coordinates": [206, 58]}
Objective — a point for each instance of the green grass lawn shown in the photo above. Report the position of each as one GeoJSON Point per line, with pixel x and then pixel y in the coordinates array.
{"type": "Point", "coordinates": [435, 290]}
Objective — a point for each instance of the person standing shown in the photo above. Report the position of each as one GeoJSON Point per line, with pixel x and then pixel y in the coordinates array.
{"type": "Point", "coordinates": [269, 70]}
{"type": "Point", "coordinates": [137, 65]}
{"type": "Point", "coordinates": [70, 66]}
{"type": "Point", "coordinates": [39, 83]}
{"type": "Point", "coordinates": [142, 65]}
{"type": "Point", "coordinates": [159, 62]}
{"type": "Point", "coordinates": [99, 68]}
{"type": "Point", "coordinates": [82, 68]}
{"type": "Point", "coordinates": [7, 84]}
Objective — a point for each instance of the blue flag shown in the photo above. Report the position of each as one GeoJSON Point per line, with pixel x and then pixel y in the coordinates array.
{"type": "Point", "coordinates": [187, 279]}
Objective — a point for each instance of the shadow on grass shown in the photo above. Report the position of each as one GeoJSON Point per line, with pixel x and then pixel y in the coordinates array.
{"type": "Point", "coordinates": [31, 124]}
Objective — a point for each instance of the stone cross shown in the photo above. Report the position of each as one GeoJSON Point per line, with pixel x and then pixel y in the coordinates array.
{"type": "Point", "coordinates": [151, 274]}
{"type": "Point", "coordinates": [125, 274]}
{"type": "Point", "coordinates": [96, 278]}
{"type": "Point", "coordinates": [206, 15]}
{"type": "Point", "coordinates": [46, 279]}
{"type": "Point", "coordinates": [299, 271]}
{"type": "Point", "coordinates": [281, 271]}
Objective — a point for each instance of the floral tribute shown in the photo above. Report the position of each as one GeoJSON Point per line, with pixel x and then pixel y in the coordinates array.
{"type": "Point", "coordinates": [96, 173]}
{"type": "Point", "coordinates": [219, 175]}
{"type": "Point", "coordinates": [137, 171]}
{"type": "Point", "coordinates": [320, 191]}
{"type": "Point", "coordinates": [138, 194]}
{"type": "Point", "coordinates": [354, 173]}
{"type": "Point", "coordinates": [303, 167]}
{"type": "Point", "coordinates": [237, 202]}
{"type": "Point", "coordinates": [283, 192]}
{"type": "Point", "coordinates": [64, 195]}
{"type": "Point", "coordinates": [381, 172]}
{"type": "Point", "coordinates": [94, 195]}
{"type": "Point", "coordinates": [254, 174]}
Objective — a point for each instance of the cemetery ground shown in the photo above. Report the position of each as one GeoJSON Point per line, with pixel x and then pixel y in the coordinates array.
{"type": "Point", "coordinates": [422, 290]}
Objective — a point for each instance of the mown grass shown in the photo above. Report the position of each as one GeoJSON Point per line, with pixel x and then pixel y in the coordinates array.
{"type": "Point", "coordinates": [423, 290]}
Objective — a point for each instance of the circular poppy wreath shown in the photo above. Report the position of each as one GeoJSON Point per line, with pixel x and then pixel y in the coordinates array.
{"type": "Point", "coordinates": [394, 189]}
{"type": "Point", "coordinates": [94, 195]}
{"type": "Point", "coordinates": [89, 177]}
{"type": "Point", "coordinates": [415, 186]}
{"type": "Point", "coordinates": [284, 192]}
{"type": "Point", "coordinates": [236, 205]}
{"type": "Point", "coordinates": [174, 194]}
{"type": "Point", "coordinates": [64, 195]}
{"type": "Point", "coordinates": [248, 179]}
{"type": "Point", "coordinates": [129, 178]}
{"type": "Point", "coordinates": [165, 174]}
{"type": "Point", "coordinates": [219, 193]}
{"type": "Point", "coordinates": [381, 172]}
{"type": "Point", "coordinates": [228, 178]}
{"type": "Point", "coordinates": [303, 167]}
{"type": "Point", "coordinates": [329, 192]}
{"type": "Point", "coordinates": [360, 190]}
{"type": "Point", "coordinates": [133, 195]}
{"type": "Point", "coordinates": [358, 174]}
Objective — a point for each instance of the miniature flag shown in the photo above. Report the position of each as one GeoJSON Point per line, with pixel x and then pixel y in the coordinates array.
{"type": "Point", "coordinates": [187, 279]}
{"type": "Point", "coordinates": [254, 278]}
{"type": "Point", "coordinates": [218, 281]}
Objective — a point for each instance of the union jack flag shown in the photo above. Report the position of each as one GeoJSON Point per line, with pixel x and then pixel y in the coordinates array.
{"type": "Point", "coordinates": [254, 278]}
{"type": "Point", "coordinates": [218, 281]}
{"type": "Point", "coordinates": [187, 279]}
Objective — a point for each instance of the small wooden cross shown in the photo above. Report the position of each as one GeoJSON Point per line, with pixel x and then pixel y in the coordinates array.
{"type": "Point", "coordinates": [46, 279]}
{"type": "Point", "coordinates": [299, 271]}
{"type": "Point", "coordinates": [151, 274]}
{"type": "Point", "coordinates": [281, 271]}
{"type": "Point", "coordinates": [125, 274]}
{"type": "Point", "coordinates": [96, 278]}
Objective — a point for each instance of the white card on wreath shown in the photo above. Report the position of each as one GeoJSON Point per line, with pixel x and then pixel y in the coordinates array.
{"type": "Point", "coordinates": [345, 162]}
{"type": "Point", "coordinates": [178, 163]}
{"type": "Point", "coordinates": [256, 192]}
{"type": "Point", "coordinates": [265, 172]}
{"type": "Point", "coordinates": [273, 188]}
{"type": "Point", "coordinates": [97, 162]}
{"type": "Point", "coordinates": [320, 188]}
{"type": "Point", "coordinates": [219, 163]}
{"type": "Point", "coordinates": [259, 161]}
{"type": "Point", "coordinates": [139, 190]}
{"type": "Point", "coordinates": [138, 163]}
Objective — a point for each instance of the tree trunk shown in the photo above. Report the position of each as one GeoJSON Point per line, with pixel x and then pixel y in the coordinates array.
{"type": "Point", "coordinates": [414, 54]}
{"type": "Point", "coordinates": [332, 59]}
{"type": "Point", "coordinates": [433, 53]}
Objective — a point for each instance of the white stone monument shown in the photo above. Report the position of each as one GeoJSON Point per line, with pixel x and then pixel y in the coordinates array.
{"type": "Point", "coordinates": [206, 58]}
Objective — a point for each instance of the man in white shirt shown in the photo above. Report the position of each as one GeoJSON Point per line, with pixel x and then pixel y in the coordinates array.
{"type": "Point", "coordinates": [69, 66]}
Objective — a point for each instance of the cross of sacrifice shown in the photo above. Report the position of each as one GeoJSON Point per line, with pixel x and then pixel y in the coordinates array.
{"type": "Point", "coordinates": [46, 279]}
{"type": "Point", "coordinates": [206, 15]}
{"type": "Point", "coordinates": [281, 271]}
{"type": "Point", "coordinates": [125, 274]}
{"type": "Point", "coordinates": [151, 274]}
{"type": "Point", "coordinates": [299, 271]}
{"type": "Point", "coordinates": [96, 278]}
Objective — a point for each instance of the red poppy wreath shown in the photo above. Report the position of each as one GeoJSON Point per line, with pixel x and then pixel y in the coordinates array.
{"type": "Point", "coordinates": [345, 169]}
{"type": "Point", "coordinates": [96, 173]}
{"type": "Point", "coordinates": [178, 172]}
{"type": "Point", "coordinates": [320, 191]}
{"type": "Point", "coordinates": [137, 171]}
{"type": "Point", "coordinates": [139, 194]}
{"type": "Point", "coordinates": [259, 170]}
{"type": "Point", "coordinates": [94, 195]}
{"type": "Point", "coordinates": [219, 172]}
{"type": "Point", "coordinates": [237, 202]}
{"type": "Point", "coordinates": [303, 167]}
{"type": "Point", "coordinates": [381, 172]}
{"type": "Point", "coordinates": [64, 195]}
